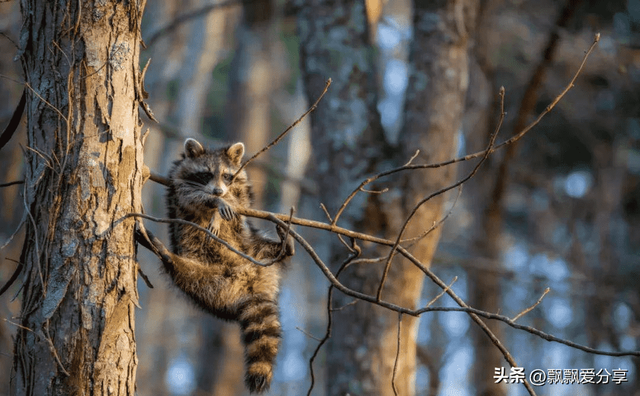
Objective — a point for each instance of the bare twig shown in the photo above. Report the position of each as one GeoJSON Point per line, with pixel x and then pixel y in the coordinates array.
{"type": "Point", "coordinates": [46, 102]}
{"type": "Point", "coordinates": [303, 331]}
{"type": "Point", "coordinates": [326, 212]}
{"type": "Point", "coordinates": [444, 218]}
{"type": "Point", "coordinates": [526, 311]}
{"type": "Point", "coordinates": [395, 362]}
{"type": "Point", "coordinates": [330, 310]}
{"type": "Point", "coordinates": [474, 313]}
{"type": "Point", "coordinates": [442, 293]}
{"type": "Point", "coordinates": [283, 249]}
{"type": "Point", "coordinates": [12, 183]}
{"type": "Point", "coordinates": [18, 325]}
{"type": "Point", "coordinates": [13, 278]}
{"type": "Point", "coordinates": [296, 122]}
{"type": "Point", "coordinates": [145, 278]}
{"type": "Point", "coordinates": [14, 121]}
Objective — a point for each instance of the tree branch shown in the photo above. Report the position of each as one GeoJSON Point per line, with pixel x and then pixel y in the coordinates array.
{"type": "Point", "coordinates": [296, 122]}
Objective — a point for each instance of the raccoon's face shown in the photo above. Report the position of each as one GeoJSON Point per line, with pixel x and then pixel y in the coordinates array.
{"type": "Point", "coordinates": [205, 172]}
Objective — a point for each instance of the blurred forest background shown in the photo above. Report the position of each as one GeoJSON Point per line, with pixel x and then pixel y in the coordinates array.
{"type": "Point", "coordinates": [561, 209]}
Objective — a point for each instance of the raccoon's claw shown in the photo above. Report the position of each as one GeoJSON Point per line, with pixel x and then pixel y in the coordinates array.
{"type": "Point", "coordinates": [226, 212]}
{"type": "Point", "coordinates": [214, 227]}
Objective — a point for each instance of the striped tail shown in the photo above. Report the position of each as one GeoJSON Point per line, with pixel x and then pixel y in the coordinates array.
{"type": "Point", "coordinates": [261, 333]}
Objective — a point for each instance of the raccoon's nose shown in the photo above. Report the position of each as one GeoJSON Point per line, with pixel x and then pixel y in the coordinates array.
{"type": "Point", "coordinates": [217, 191]}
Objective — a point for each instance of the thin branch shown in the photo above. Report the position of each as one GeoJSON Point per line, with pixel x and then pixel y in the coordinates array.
{"type": "Point", "coordinates": [444, 218]}
{"type": "Point", "coordinates": [384, 190]}
{"type": "Point", "coordinates": [347, 305]}
{"type": "Point", "coordinates": [303, 331]}
{"type": "Point", "coordinates": [145, 278]}
{"type": "Point", "coordinates": [395, 362]}
{"type": "Point", "coordinates": [12, 183]}
{"type": "Point", "coordinates": [14, 121]}
{"type": "Point", "coordinates": [296, 122]}
{"type": "Point", "coordinates": [330, 310]}
{"type": "Point", "coordinates": [442, 293]}
{"type": "Point", "coordinates": [326, 212]}
{"type": "Point", "coordinates": [13, 278]}
{"type": "Point", "coordinates": [18, 325]}
{"type": "Point", "coordinates": [526, 311]}
{"type": "Point", "coordinates": [412, 158]}
{"type": "Point", "coordinates": [528, 329]}
{"type": "Point", "coordinates": [365, 297]}
{"type": "Point", "coordinates": [285, 237]}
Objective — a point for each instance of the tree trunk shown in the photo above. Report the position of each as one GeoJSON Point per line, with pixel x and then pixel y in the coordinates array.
{"type": "Point", "coordinates": [84, 174]}
{"type": "Point", "coordinates": [349, 145]}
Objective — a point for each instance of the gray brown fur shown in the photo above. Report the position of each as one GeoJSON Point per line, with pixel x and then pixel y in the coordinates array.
{"type": "Point", "coordinates": [221, 282]}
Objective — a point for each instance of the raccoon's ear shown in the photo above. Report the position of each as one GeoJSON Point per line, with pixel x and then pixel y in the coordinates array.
{"type": "Point", "coordinates": [235, 153]}
{"type": "Point", "coordinates": [192, 148]}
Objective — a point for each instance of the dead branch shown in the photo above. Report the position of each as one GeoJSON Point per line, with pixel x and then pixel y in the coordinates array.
{"type": "Point", "coordinates": [290, 127]}
{"type": "Point", "coordinates": [395, 362]}
{"type": "Point", "coordinates": [12, 183]}
{"type": "Point", "coordinates": [355, 253]}
{"type": "Point", "coordinates": [526, 311]}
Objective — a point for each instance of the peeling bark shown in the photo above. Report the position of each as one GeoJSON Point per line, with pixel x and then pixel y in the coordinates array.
{"type": "Point", "coordinates": [84, 174]}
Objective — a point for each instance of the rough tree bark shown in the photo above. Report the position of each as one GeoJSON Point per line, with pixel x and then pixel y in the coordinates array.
{"type": "Point", "coordinates": [349, 145]}
{"type": "Point", "coordinates": [84, 174]}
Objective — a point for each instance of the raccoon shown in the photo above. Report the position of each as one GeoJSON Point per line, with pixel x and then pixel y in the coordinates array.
{"type": "Point", "coordinates": [203, 190]}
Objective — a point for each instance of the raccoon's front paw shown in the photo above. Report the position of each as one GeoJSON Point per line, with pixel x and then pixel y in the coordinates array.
{"type": "Point", "coordinates": [226, 212]}
{"type": "Point", "coordinates": [289, 247]}
{"type": "Point", "coordinates": [214, 225]}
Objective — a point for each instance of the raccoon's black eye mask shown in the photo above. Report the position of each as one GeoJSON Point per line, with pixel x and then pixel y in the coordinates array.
{"type": "Point", "coordinates": [200, 177]}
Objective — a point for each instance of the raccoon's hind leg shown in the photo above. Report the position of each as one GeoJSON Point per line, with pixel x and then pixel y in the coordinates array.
{"type": "Point", "coordinates": [204, 284]}
{"type": "Point", "coordinates": [261, 333]}
{"type": "Point", "coordinates": [266, 248]}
